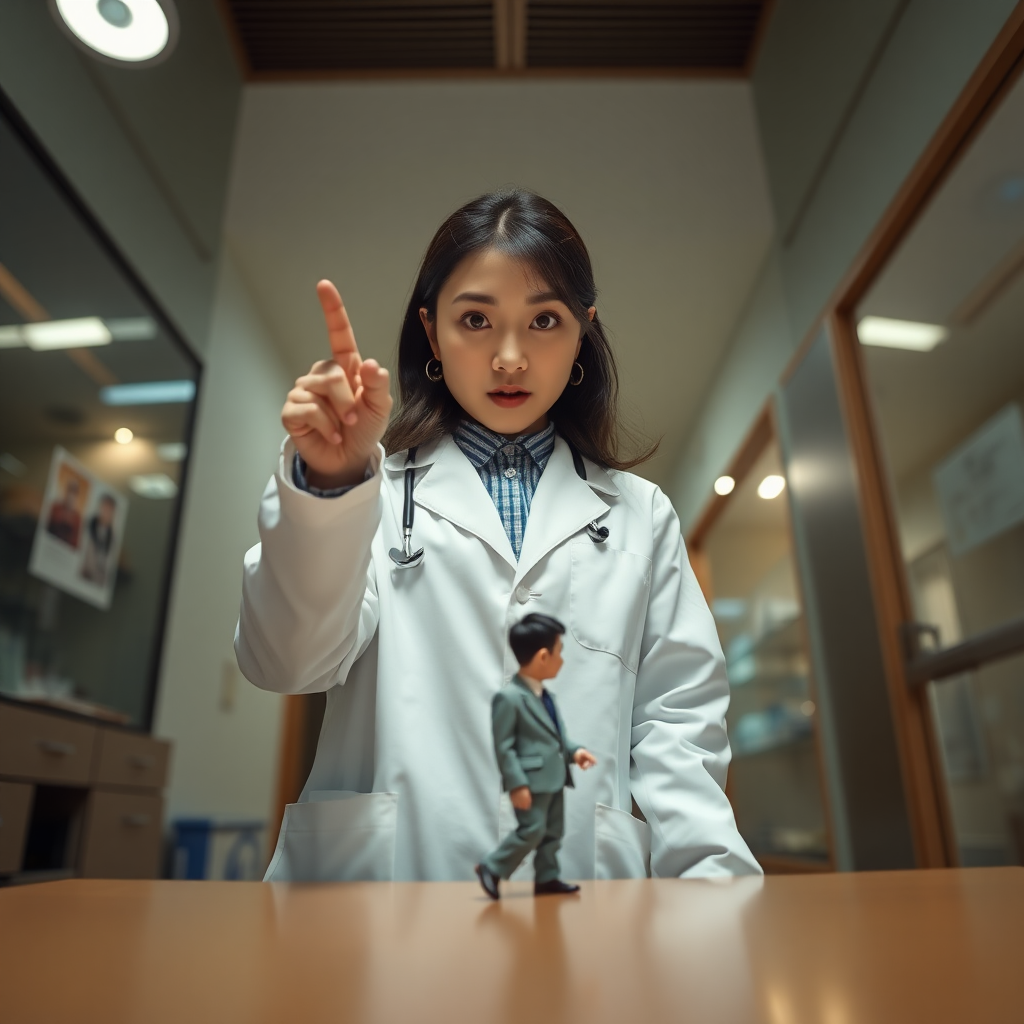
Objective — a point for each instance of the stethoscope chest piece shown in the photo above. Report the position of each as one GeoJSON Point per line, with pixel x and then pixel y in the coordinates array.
{"type": "Point", "coordinates": [406, 558]}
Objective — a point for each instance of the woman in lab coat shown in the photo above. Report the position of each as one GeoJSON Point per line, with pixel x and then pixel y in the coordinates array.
{"type": "Point", "coordinates": [501, 349]}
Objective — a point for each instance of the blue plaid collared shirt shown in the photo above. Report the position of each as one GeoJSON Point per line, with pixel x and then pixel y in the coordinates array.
{"type": "Point", "coordinates": [510, 470]}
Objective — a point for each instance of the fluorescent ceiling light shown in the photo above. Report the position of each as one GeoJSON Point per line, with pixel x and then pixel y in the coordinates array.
{"type": "Point", "coordinates": [174, 451]}
{"type": "Point", "coordinates": [84, 332]}
{"type": "Point", "coordinates": [153, 485]}
{"type": "Point", "coordinates": [771, 487]}
{"type": "Point", "coordinates": [10, 337]}
{"type": "Point", "coordinates": [157, 392]}
{"type": "Point", "coordinates": [132, 328]}
{"type": "Point", "coordinates": [122, 31]}
{"type": "Point", "coordinates": [907, 334]}
{"type": "Point", "coordinates": [724, 485]}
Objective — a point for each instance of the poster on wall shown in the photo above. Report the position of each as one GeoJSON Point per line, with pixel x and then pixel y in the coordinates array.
{"type": "Point", "coordinates": [78, 536]}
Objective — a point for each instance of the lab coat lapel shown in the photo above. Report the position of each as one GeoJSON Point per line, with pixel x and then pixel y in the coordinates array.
{"type": "Point", "coordinates": [453, 489]}
{"type": "Point", "coordinates": [536, 707]}
{"type": "Point", "coordinates": [562, 505]}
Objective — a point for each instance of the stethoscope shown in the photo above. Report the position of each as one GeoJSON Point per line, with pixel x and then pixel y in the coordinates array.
{"type": "Point", "coordinates": [407, 558]}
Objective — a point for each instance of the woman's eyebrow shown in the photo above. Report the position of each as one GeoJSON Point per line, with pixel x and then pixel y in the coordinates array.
{"type": "Point", "coordinates": [485, 300]}
{"type": "Point", "coordinates": [540, 297]}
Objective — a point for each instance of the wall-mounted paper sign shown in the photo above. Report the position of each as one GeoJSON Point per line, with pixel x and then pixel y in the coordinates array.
{"type": "Point", "coordinates": [981, 484]}
{"type": "Point", "coordinates": [78, 536]}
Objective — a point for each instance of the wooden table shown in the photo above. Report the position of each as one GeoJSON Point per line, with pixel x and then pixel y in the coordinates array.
{"type": "Point", "coordinates": [901, 947]}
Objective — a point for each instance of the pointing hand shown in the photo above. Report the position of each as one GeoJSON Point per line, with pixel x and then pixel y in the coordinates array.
{"type": "Point", "coordinates": [337, 413]}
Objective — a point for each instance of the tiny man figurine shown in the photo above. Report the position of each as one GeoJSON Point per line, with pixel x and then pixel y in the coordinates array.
{"type": "Point", "coordinates": [534, 755]}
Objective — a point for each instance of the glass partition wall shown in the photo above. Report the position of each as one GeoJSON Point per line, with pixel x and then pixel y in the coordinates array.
{"type": "Point", "coordinates": [749, 575]}
{"type": "Point", "coordinates": [941, 333]}
{"type": "Point", "coordinates": [96, 403]}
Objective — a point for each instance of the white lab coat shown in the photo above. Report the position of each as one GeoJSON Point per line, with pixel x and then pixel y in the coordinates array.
{"type": "Point", "coordinates": [405, 784]}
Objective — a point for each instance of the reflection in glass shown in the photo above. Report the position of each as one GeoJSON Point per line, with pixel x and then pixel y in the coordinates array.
{"type": "Point", "coordinates": [774, 781]}
{"type": "Point", "coordinates": [88, 490]}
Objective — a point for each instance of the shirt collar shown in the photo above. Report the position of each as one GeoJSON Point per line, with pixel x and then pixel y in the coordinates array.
{"type": "Point", "coordinates": [537, 685]}
{"type": "Point", "coordinates": [480, 445]}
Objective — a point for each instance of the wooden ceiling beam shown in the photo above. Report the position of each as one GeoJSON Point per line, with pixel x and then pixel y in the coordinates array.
{"type": "Point", "coordinates": [510, 35]}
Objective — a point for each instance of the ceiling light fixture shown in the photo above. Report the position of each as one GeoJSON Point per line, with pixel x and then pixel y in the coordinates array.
{"type": "Point", "coordinates": [771, 487]}
{"type": "Point", "coordinates": [84, 332]}
{"type": "Point", "coordinates": [123, 435]}
{"type": "Point", "coordinates": [133, 328]}
{"type": "Point", "coordinates": [135, 32]}
{"type": "Point", "coordinates": [153, 485]}
{"type": "Point", "coordinates": [173, 451]}
{"type": "Point", "coordinates": [906, 334]}
{"type": "Point", "coordinates": [157, 392]}
{"type": "Point", "coordinates": [724, 485]}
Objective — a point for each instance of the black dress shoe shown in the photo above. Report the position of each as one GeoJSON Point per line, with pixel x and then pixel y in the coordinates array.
{"type": "Point", "coordinates": [556, 886]}
{"type": "Point", "coordinates": [488, 880]}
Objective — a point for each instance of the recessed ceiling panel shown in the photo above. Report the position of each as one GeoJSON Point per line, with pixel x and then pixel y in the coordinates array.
{"type": "Point", "coordinates": [310, 36]}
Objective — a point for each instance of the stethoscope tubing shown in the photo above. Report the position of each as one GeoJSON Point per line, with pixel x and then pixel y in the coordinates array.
{"type": "Point", "coordinates": [406, 558]}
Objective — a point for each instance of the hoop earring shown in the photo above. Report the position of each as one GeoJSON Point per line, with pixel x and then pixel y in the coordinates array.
{"type": "Point", "coordinates": [579, 380]}
{"type": "Point", "coordinates": [434, 375]}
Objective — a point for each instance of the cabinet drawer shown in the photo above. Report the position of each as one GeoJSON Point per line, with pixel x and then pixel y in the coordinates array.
{"type": "Point", "coordinates": [122, 835]}
{"type": "Point", "coordinates": [128, 759]}
{"type": "Point", "coordinates": [45, 748]}
{"type": "Point", "coordinates": [15, 805]}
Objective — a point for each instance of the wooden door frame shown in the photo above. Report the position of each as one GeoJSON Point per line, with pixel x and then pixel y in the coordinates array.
{"type": "Point", "coordinates": [921, 764]}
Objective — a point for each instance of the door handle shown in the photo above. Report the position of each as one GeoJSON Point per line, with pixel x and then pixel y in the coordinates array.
{"type": "Point", "coordinates": [57, 748]}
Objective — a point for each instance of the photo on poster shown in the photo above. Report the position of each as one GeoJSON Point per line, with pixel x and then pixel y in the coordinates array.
{"type": "Point", "coordinates": [78, 536]}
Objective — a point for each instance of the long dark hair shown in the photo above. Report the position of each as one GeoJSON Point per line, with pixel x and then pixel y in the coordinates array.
{"type": "Point", "coordinates": [531, 230]}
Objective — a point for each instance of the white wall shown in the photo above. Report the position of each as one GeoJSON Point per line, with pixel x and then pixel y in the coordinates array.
{"type": "Point", "coordinates": [663, 178]}
{"type": "Point", "coordinates": [224, 761]}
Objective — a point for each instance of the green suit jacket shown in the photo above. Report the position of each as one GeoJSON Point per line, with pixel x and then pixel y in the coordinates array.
{"type": "Point", "coordinates": [530, 750]}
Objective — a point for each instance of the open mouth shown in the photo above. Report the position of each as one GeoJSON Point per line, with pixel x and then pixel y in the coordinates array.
{"type": "Point", "coordinates": [508, 397]}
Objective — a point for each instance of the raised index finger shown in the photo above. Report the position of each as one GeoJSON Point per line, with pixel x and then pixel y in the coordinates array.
{"type": "Point", "coordinates": [339, 328]}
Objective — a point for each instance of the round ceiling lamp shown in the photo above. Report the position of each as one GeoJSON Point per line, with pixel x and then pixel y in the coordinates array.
{"type": "Point", "coordinates": [135, 32]}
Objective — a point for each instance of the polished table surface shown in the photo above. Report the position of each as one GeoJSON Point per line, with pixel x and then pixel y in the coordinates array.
{"type": "Point", "coordinates": [929, 946]}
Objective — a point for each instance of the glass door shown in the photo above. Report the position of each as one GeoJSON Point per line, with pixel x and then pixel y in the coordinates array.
{"type": "Point", "coordinates": [775, 783]}
{"type": "Point", "coordinates": [941, 333]}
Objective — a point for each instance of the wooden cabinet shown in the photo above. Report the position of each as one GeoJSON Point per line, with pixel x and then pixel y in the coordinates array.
{"type": "Point", "coordinates": [45, 747]}
{"type": "Point", "coordinates": [78, 798]}
{"type": "Point", "coordinates": [122, 835]}
{"type": "Point", "coordinates": [131, 759]}
{"type": "Point", "coordinates": [15, 803]}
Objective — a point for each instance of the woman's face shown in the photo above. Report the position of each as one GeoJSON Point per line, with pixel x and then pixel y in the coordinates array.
{"type": "Point", "coordinates": [506, 343]}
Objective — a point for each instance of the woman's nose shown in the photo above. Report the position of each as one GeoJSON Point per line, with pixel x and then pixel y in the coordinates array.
{"type": "Point", "coordinates": [510, 356]}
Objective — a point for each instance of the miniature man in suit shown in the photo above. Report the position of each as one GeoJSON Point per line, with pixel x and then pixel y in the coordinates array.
{"type": "Point", "coordinates": [534, 755]}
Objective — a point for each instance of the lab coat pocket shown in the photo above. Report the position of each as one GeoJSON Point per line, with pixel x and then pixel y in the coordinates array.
{"type": "Point", "coordinates": [622, 844]}
{"type": "Point", "coordinates": [608, 599]}
{"type": "Point", "coordinates": [337, 836]}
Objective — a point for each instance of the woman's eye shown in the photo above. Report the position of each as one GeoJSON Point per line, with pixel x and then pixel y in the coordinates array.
{"type": "Point", "coordinates": [545, 321]}
{"type": "Point", "coordinates": [475, 321]}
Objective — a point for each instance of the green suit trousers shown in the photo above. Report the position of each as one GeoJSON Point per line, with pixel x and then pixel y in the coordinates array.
{"type": "Point", "coordinates": [541, 829]}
